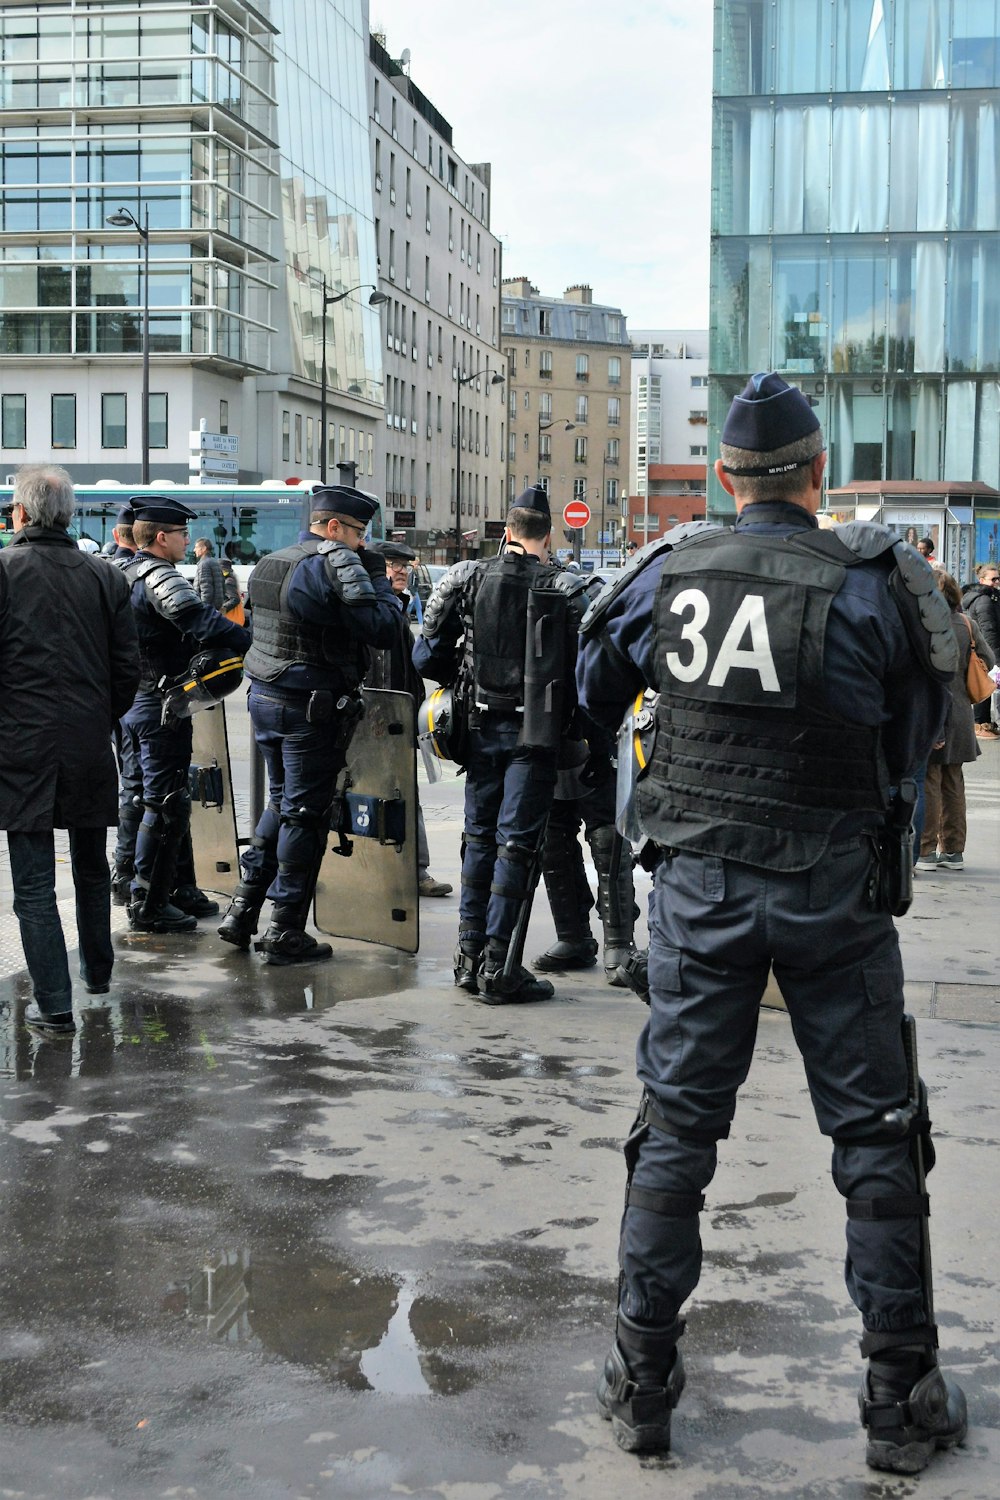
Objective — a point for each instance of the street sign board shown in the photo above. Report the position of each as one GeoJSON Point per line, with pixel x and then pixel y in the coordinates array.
{"type": "Point", "coordinates": [577, 513]}
{"type": "Point", "coordinates": [215, 442]}
{"type": "Point", "coordinates": [205, 465]}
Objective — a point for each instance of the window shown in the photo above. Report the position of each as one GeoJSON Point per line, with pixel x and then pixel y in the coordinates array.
{"type": "Point", "coordinates": [298, 437]}
{"type": "Point", "coordinates": [286, 436]}
{"type": "Point", "coordinates": [223, 416]}
{"type": "Point", "coordinates": [613, 450]}
{"type": "Point", "coordinates": [581, 325]}
{"type": "Point", "coordinates": [378, 117]}
{"type": "Point", "coordinates": [612, 492]}
{"type": "Point", "coordinates": [579, 489]}
{"type": "Point", "coordinates": [527, 400]}
{"type": "Point", "coordinates": [545, 365]}
{"type": "Point", "coordinates": [64, 421]}
{"type": "Point", "coordinates": [544, 320]}
{"type": "Point", "coordinates": [545, 448]}
{"type": "Point", "coordinates": [580, 450]}
{"type": "Point", "coordinates": [113, 432]}
{"type": "Point", "coordinates": [544, 482]}
{"type": "Point", "coordinates": [583, 367]}
{"type": "Point", "coordinates": [614, 411]}
{"type": "Point", "coordinates": [614, 328]}
{"type": "Point", "coordinates": [14, 422]}
{"type": "Point", "coordinates": [509, 318]}
{"type": "Point", "coordinates": [544, 407]}
{"type": "Point", "coordinates": [582, 404]}
{"type": "Point", "coordinates": [527, 442]}
{"type": "Point", "coordinates": [698, 381]}
{"type": "Point", "coordinates": [614, 370]}
{"type": "Point", "coordinates": [699, 450]}
{"type": "Point", "coordinates": [309, 440]}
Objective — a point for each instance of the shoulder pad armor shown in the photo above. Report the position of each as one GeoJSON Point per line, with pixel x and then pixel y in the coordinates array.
{"type": "Point", "coordinates": [570, 584]}
{"type": "Point", "coordinates": [868, 540]}
{"type": "Point", "coordinates": [169, 590]}
{"type": "Point", "coordinates": [678, 536]}
{"type": "Point", "coordinates": [924, 611]}
{"type": "Point", "coordinates": [346, 572]}
{"type": "Point", "coordinates": [446, 595]}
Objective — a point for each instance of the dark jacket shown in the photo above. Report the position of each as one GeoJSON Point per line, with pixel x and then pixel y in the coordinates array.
{"type": "Point", "coordinates": [983, 605]}
{"type": "Point", "coordinates": [960, 742]}
{"type": "Point", "coordinates": [208, 582]}
{"type": "Point", "coordinates": [393, 668]}
{"type": "Point", "coordinates": [69, 667]}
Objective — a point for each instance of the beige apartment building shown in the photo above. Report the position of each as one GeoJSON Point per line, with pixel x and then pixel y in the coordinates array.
{"type": "Point", "coordinates": [568, 408]}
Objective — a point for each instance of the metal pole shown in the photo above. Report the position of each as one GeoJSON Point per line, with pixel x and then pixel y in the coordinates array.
{"type": "Point", "coordinates": [145, 347]}
{"type": "Point", "coordinates": [322, 397]}
{"type": "Point", "coordinates": [604, 486]}
{"type": "Point", "coordinates": [649, 424]}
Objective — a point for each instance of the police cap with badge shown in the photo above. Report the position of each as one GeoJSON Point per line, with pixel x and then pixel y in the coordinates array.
{"type": "Point", "coordinates": [768, 415]}
{"type": "Point", "coordinates": [339, 500]}
{"type": "Point", "coordinates": [126, 516]}
{"type": "Point", "coordinates": [533, 498]}
{"type": "Point", "coordinates": [163, 511]}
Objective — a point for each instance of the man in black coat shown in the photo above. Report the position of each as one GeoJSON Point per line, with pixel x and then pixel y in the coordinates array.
{"type": "Point", "coordinates": [393, 668]}
{"type": "Point", "coordinates": [70, 667]}
{"type": "Point", "coordinates": [981, 602]}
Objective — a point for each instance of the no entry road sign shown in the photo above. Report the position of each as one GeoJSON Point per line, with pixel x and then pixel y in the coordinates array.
{"type": "Point", "coordinates": [577, 513]}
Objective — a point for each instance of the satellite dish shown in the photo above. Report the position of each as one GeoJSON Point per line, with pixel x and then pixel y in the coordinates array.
{"type": "Point", "coordinates": [405, 57]}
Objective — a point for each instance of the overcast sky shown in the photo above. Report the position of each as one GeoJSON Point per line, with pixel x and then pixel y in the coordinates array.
{"type": "Point", "coordinates": [596, 116]}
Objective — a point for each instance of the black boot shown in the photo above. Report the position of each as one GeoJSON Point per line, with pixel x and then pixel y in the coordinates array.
{"type": "Point", "coordinates": [287, 942]}
{"type": "Point", "coordinates": [192, 899]}
{"type": "Point", "coordinates": [615, 902]}
{"type": "Point", "coordinates": [569, 901]}
{"type": "Point", "coordinates": [640, 1385]}
{"type": "Point", "coordinates": [567, 953]}
{"type": "Point", "coordinates": [165, 918]}
{"type": "Point", "coordinates": [468, 961]}
{"type": "Point", "coordinates": [519, 988]}
{"type": "Point", "coordinates": [909, 1409]}
{"type": "Point", "coordinates": [239, 925]}
{"type": "Point", "coordinates": [121, 884]}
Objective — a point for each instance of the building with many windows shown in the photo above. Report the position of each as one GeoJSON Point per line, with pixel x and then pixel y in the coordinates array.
{"type": "Point", "coordinates": [218, 126]}
{"type": "Point", "coordinates": [443, 460]}
{"type": "Point", "coordinates": [669, 452]}
{"type": "Point", "coordinates": [855, 245]}
{"type": "Point", "coordinates": [568, 404]}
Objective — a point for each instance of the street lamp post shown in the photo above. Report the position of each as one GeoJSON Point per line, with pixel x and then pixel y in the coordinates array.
{"type": "Point", "coordinates": [329, 298]}
{"type": "Point", "coordinates": [544, 423]}
{"type": "Point", "coordinates": [604, 491]}
{"type": "Point", "coordinates": [495, 379]}
{"type": "Point", "coordinates": [123, 219]}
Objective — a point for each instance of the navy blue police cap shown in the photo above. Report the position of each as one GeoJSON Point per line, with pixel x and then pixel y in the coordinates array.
{"type": "Point", "coordinates": [126, 516]}
{"type": "Point", "coordinates": [341, 500]}
{"type": "Point", "coordinates": [768, 414]}
{"type": "Point", "coordinates": [397, 551]}
{"type": "Point", "coordinates": [533, 498]}
{"type": "Point", "coordinates": [162, 510]}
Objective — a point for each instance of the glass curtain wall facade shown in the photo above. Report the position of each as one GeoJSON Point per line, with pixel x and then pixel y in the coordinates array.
{"type": "Point", "coordinates": [856, 209]}
{"type": "Point", "coordinates": [326, 195]}
{"type": "Point", "coordinates": [166, 108]}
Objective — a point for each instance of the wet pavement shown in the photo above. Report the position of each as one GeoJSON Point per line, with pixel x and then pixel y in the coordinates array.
{"type": "Point", "coordinates": [344, 1231]}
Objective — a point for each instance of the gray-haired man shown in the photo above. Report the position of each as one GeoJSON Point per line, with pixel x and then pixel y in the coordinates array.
{"type": "Point", "coordinates": [70, 666]}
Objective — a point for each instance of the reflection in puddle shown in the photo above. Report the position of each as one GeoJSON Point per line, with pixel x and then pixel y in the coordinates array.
{"type": "Point", "coordinates": [392, 1367]}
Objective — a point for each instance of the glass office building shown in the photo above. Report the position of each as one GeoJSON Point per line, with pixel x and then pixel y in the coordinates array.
{"type": "Point", "coordinates": [856, 209]}
{"type": "Point", "coordinates": [241, 129]}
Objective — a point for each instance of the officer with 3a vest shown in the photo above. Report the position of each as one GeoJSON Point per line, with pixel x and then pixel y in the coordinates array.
{"type": "Point", "coordinates": [317, 607]}
{"type": "Point", "coordinates": [505, 631]}
{"type": "Point", "coordinates": [802, 677]}
{"type": "Point", "coordinates": [171, 623]}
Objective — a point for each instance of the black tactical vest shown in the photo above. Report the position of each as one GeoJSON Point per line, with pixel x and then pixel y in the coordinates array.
{"type": "Point", "coordinates": [280, 639]}
{"type": "Point", "coordinates": [164, 650]}
{"type": "Point", "coordinates": [748, 762]}
{"type": "Point", "coordinates": [499, 614]}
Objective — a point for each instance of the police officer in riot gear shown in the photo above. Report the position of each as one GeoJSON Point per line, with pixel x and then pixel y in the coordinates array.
{"type": "Point", "coordinates": [317, 607]}
{"type": "Point", "coordinates": [585, 796]}
{"type": "Point", "coordinates": [480, 630]}
{"type": "Point", "coordinates": [801, 676]}
{"type": "Point", "coordinates": [171, 623]}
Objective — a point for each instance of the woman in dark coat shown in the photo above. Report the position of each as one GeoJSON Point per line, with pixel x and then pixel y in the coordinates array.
{"type": "Point", "coordinates": [981, 602]}
{"type": "Point", "coordinates": [69, 665]}
{"type": "Point", "coordinates": [942, 843]}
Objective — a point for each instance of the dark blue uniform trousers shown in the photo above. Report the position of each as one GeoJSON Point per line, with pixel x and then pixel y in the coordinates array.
{"type": "Point", "coordinates": [508, 794]}
{"type": "Point", "coordinates": [715, 929]}
{"type": "Point", "coordinates": [303, 764]}
{"type": "Point", "coordinates": [163, 754]}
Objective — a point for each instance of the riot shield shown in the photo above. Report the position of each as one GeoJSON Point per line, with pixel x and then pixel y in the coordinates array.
{"type": "Point", "coordinates": [367, 886]}
{"type": "Point", "coordinates": [213, 813]}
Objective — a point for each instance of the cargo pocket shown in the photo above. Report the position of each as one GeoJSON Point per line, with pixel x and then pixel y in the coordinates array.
{"type": "Point", "coordinates": [884, 1061]}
